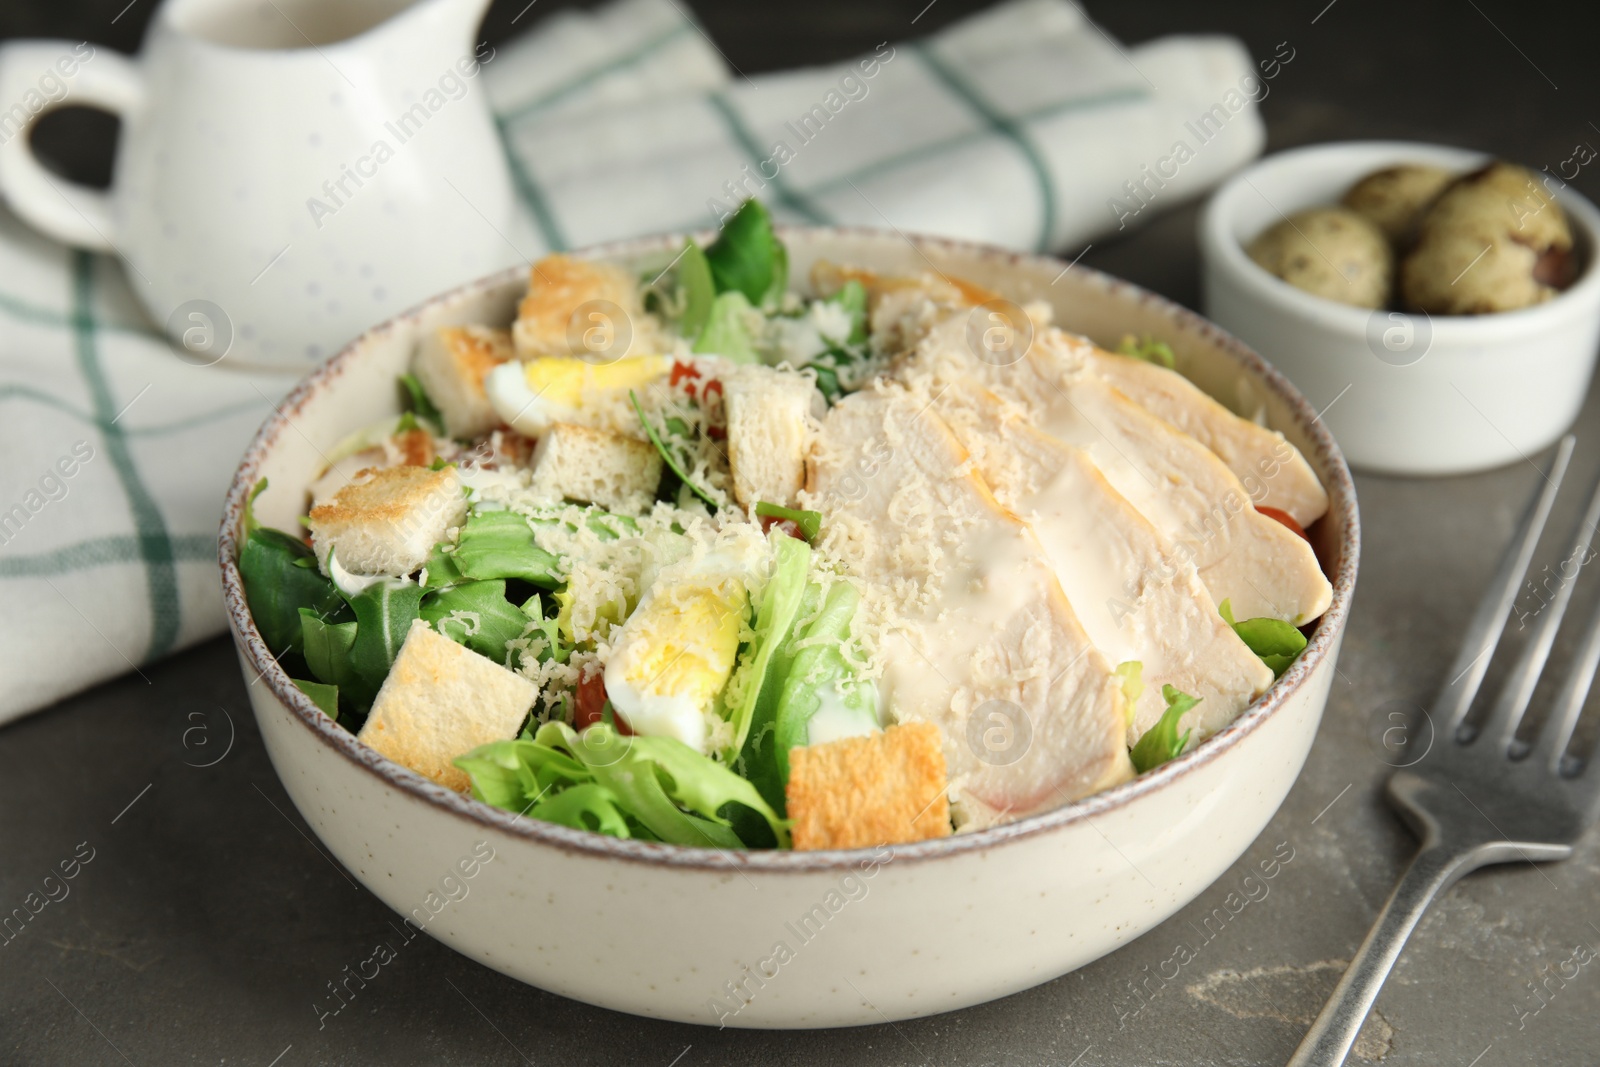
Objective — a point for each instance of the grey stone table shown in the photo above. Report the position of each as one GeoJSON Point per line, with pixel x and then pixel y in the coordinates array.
{"type": "Point", "coordinates": [203, 919]}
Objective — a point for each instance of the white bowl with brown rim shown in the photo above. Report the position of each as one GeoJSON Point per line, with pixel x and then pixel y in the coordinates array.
{"type": "Point", "coordinates": [787, 939]}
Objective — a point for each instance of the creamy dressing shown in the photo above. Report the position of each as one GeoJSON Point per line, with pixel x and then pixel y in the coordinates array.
{"type": "Point", "coordinates": [1092, 563]}
{"type": "Point", "coordinates": [836, 719]}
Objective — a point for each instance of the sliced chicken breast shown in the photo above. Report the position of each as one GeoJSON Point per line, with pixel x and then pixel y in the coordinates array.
{"type": "Point", "coordinates": [1270, 468]}
{"type": "Point", "coordinates": [1135, 597]}
{"type": "Point", "coordinates": [1031, 713]}
{"type": "Point", "coordinates": [1174, 481]}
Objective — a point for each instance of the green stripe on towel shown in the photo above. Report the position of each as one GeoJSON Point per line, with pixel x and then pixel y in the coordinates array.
{"type": "Point", "coordinates": [943, 147]}
{"type": "Point", "coordinates": [1006, 128]}
{"type": "Point", "coordinates": [102, 552]}
{"type": "Point", "coordinates": [783, 194]}
{"type": "Point", "coordinates": [586, 78]}
{"type": "Point", "coordinates": [532, 195]}
{"type": "Point", "coordinates": [155, 546]}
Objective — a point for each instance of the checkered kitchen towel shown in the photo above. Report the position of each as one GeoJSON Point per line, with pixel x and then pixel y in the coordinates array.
{"type": "Point", "coordinates": [1018, 126]}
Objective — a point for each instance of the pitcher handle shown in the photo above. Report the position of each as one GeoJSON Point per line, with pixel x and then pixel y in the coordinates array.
{"type": "Point", "coordinates": [37, 77]}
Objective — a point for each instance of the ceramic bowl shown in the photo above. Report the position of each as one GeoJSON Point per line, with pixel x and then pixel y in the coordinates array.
{"type": "Point", "coordinates": [1404, 394]}
{"type": "Point", "coordinates": [785, 939]}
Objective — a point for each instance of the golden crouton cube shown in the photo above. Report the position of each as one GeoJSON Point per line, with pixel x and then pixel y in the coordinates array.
{"type": "Point", "coordinates": [613, 470]}
{"type": "Point", "coordinates": [886, 788]}
{"type": "Point", "coordinates": [769, 431]}
{"type": "Point", "coordinates": [451, 363]}
{"type": "Point", "coordinates": [442, 700]}
{"type": "Point", "coordinates": [613, 322]}
{"type": "Point", "coordinates": [387, 521]}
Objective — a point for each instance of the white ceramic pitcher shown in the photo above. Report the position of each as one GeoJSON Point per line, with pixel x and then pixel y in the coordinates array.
{"type": "Point", "coordinates": [288, 172]}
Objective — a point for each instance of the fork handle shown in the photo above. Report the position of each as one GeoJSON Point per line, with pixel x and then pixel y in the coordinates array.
{"type": "Point", "coordinates": [1432, 871]}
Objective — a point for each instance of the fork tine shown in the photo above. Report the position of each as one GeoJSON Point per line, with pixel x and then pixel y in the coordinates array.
{"type": "Point", "coordinates": [1489, 621]}
{"type": "Point", "coordinates": [1512, 701]}
{"type": "Point", "coordinates": [1551, 744]}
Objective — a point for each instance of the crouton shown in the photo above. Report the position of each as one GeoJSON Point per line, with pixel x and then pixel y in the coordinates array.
{"type": "Point", "coordinates": [881, 789]}
{"type": "Point", "coordinates": [617, 472]}
{"type": "Point", "coordinates": [442, 700]}
{"type": "Point", "coordinates": [414, 447]}
{"type": "Point", "coordinates": [557, 287]}
{"type": "Point", "coordinates": [769, 431]}
{"type": "Point", "coordinates": [451, 363]}
{"type": "Point", "coordinates": [387, 521]}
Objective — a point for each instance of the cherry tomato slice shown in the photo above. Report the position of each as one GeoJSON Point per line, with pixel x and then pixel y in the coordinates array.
{"type": "Point", "coordinates": [591, 701]}
{"type": "Point", "coordinates": [1287, 520]}
{"type": "Point", "coordinates": [788, 526]}
{"type": "Point", "coordinates": [591, 705]}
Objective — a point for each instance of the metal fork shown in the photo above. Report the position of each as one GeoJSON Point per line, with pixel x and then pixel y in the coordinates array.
{"type": "Point", "coordinates": [1480, 797]}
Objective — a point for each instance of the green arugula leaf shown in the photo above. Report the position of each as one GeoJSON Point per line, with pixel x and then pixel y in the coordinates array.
{"type": "Point", "coordinates": [842, 361]}
{"type": "Point", "coordinates": [747, 257]}
{"type": "Point", "coordinates": [280, 577]}
{"type": "Point", "coordinates": [325, 697]}
{"type": "Point", "coordinates": [420, 406]}
{"type": "Point", "coordinates": [852, 296]}
{"type": "Point", "coordinates": [441, 570]}
{"type": "Point", "coordinates": [682, 292]}
{"type": "Point", "coordinates": [666, 455]}
{"type": "Point", "coordinates": [250, 524]}
{"type": "Point", "coordinates": [490, 619]}
{"type": "Point", "coordinates": [327, 653]}
{"type": "Point", "coordinates": [384, 611]}
{"type": "Point", "coordinates": [501, 544]}
{"type": "Point", "coordinates": [1274, 641]}
{"type": "Point", "coordinates": [1161, 742]}
{"type": "Point", "coordinates": [809, 522]}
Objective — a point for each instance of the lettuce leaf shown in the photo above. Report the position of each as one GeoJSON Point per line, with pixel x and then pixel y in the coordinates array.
{"type": "Point", "coordinates": [780, 603]}
{"type": "Point", "coordinates": [669, 790]}
{"type": "Point", "coordinates": [820, 668]}
{"type": "Point", "coordinates": [1276, 642]}
{"type": "Point", "coordinates": [1148, 349]}
{"type": "Point", "coordinates": [726, 333]}
{"type": "Point", "coordinates": [585, 806]}
{"type": "Point", "coordinates": [1161, 742]}
{"type": "Point", "coordinates": [758, 760]}
{"type": "Point", "coordinates": [1130, 675]}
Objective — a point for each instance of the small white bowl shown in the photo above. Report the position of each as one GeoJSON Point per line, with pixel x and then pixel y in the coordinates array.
{"type": "Point", "coordinates": [692, 934]}
{"type": "Point", "coordinates": [1403, 394]}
